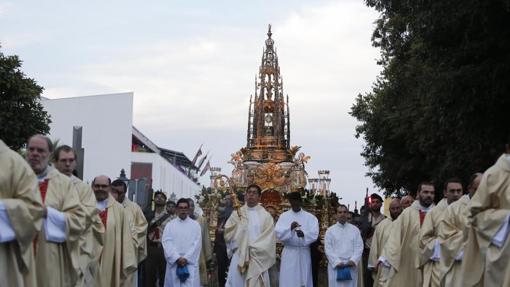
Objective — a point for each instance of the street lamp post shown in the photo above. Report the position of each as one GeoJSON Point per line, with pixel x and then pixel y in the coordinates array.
{"type": "Point", "coordinates": [324, 182]}
{"type": "Point", "coordinates": [215, 171]}
{"type": "Point", "coordinates": [313, 184]}
{"type": "Point", "coordinates": [126, 180]}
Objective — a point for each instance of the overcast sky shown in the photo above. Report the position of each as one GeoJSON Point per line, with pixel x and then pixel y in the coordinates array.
{"type": "Point", "coordinates": [192, 66]}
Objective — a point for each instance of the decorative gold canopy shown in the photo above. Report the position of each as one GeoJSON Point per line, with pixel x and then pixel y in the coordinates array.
{"type": "Point", "coordinates": [268, 160]}
{"type": "Point", "coordinates": [268, 119]}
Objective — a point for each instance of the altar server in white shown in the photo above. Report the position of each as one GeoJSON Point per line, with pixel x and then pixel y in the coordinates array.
{"type": "Point", "coordinates": [296, 229]}
{"type": "Point", "coordinates": [343, 246]}
{"type": "Point", "coordinates": [182, 241]}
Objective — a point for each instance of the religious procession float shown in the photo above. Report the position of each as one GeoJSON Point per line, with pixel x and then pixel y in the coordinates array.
{"type": "Point", "coordinates": [268, 159]}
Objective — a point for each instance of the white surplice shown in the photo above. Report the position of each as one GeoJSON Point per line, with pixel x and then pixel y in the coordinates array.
{"type": "Point", "coordinates": [182, 238]}
{"type": "Point", "coordinates": [343, 243]}
{"type": "Point", "coordinates": [296, 267]}
{"type": "Point", "coordinates": [234, 277]}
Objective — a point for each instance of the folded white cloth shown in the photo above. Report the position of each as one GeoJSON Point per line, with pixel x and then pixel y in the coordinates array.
{"type": "Point", "coordinates": [384, 261]}
{"type": "Point", "coordinates": [500, 237]}
{"type": "Point", "coordinates": [6, 231]}
{"type": "Point", "coordinates": [55, 226]}
{"type": "Point", "coordinates": [436, 256]}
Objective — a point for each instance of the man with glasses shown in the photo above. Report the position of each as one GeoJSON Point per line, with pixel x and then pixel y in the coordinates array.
{"type": "Point", "coordinates": [451, 233]}
{"type": "Point", "coordinates": [250, 232]}
{"type": "Point", "coordinates": [182, 241]}
{"type": "Point", "coordinates": [55, 246]}
{"type": "Point", "coordinates": [117, 259]}
{"type": "Point", "coordinates": [428, 240]}
{"type": "Point", "coordinates": [65, 162]}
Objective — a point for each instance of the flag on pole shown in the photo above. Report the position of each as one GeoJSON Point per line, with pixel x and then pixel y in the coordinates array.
{"type": "Point", "coordinates": [206, 168]}
{"type": "Point", "coordinates": [199, 153]}
{"type": "Point", "coordinates": [201, 162]}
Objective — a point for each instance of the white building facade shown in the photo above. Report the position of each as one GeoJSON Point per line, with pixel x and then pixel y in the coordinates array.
{"type": "Point", "coordinates": [107, 140]}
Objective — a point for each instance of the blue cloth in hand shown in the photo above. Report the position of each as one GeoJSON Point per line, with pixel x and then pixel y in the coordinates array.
{"type": "Point", "coordinates": [182, 273]}
{"type": "Point", "coordinates": [343, 274]}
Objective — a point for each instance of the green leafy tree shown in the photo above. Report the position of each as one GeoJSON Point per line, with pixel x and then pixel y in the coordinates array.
{"type": "Point", "coordinates": [441, 105]}
{"type": "Point", "coordinates": [21, 113]}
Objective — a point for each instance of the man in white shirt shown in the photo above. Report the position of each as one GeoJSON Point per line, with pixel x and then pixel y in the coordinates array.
{"type": "Point", "coordinates": [296, 229]}
{"type": "Point", "coordinates": [182, 241]}
{"type": "Point", "coordinates": [344, 247]}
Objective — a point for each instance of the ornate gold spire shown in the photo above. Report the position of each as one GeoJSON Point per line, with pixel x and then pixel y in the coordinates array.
{"type": "Point", "coordinates": [268, 119]}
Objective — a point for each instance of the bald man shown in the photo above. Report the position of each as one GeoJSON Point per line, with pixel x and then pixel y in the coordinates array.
{"type": "Point", "coordinates": [406, 201]}
{"type": "Point", "coordinates": [381, 234]}
{"type": "Point", "coordinates": [118, 260]}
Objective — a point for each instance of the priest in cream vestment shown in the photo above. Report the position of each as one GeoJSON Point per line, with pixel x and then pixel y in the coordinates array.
{"type": "Point", "coordinates": [249, 231]}
{"type": "Point", "coordinates": [488, 233]}
{"type": "Point", "coordinates": [56, 252]}
{"type": "Point", "coordinates": [206, 249]}
{"type": "Point", "coordinates": [401, 253]}
{"type": "Point", "coordinates": [452, 232]}
{"type": "Point", "coordinates": [90, 244]}
{"type": "Point", "coordinates": [137, 224]}
{"type": "Point", "coordinates": [21, 215]}
{"type": "Point", "coordinates": [117, 259]}
{"type": "Point", "coordinates": [380, 237]}
{"type": "Point", "coordinates": [429, 241]}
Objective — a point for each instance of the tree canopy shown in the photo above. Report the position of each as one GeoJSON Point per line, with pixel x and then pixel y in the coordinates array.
{"type": "Point", "coordinates": [440, 107]}
{"type": "Point", "coordinates": [21, 113]}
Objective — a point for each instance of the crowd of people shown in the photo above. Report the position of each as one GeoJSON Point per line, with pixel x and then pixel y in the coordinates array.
{"type": "Point", "coordinates": [55, 230]}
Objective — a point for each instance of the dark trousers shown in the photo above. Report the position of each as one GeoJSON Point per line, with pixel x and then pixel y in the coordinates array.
{"type": "Point", "coordinates": [154, 266]}
{"type": "Point", "coordinates": [315, 256]}
{"type": "Point", "coordinates": [369, 281]}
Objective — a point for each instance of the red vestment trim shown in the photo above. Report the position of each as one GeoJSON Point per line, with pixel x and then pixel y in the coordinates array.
{"type": "Point", "coordinates": [422, 216]}
{"type": "Point", "coordinates": [104, 216]}
{"type": "Point", "coordinates": [43, 188]}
